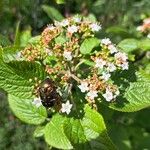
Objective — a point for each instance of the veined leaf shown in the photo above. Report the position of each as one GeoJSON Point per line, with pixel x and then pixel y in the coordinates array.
{"type": "Point", "coordinates": [52, 12]}
{"type": "Point", "coordinates": [137, 97]}
{"type": "Point", "coordinates": [14, 79]}
{"type": "Point", "coordinates": [87, 133]}
{"type": "Point", "coordinates": [88, 45]}
{"type": "Point", "coordinates": [54, 133]}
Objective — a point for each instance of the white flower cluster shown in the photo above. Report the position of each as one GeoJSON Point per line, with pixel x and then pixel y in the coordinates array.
{"type": "Point", "coordinates": [119, 60]}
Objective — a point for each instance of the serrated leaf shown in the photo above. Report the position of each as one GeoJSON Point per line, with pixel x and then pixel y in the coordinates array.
{"type": "Point", "coordinates": [95, 130]}
{"type": "Point", "coordinates": [26, 111]}
{"type": "Point", "coordinates": [87, 133]}
{"type": "Point", "coordinates": [14, 79]}
{"type": "Point", "coordinates": [136, 97]}
{"type": "Point", "coordinates": [54, 133]}
{"type": "Point", "coordinates": [128, 45]}
{"type": "Point", "coordinates": [52, 12]}
{"type": "Point", "coordinates": [88, 45]}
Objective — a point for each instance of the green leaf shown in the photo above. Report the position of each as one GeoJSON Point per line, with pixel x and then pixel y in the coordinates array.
{"type": "Point", "coordinates": [95, 130]}
{"type": "Point", "coordinates": [88, 45]}
{"type": "Point", "coordinates": [144, 44]}
{"type": "Point", "coordinates": [14, 79]}
{"type": "Point", "coordinates": [117, 30]}
{"type": "Point", "coordinates": [136, 97]}
{"type": "Point", "coordinates": [26, 111]}
{"type": "Point", "coordinates": [25, 37]}
{"type": "Point", "coordinates": [52, 12]}
{"type": "Point", "coordinates": [128, 45]}
{"type": "Point", "coordinates": [60, 1]}
{"type": "Point", "coordinates": [87, 133]}
{"type": "Point", "coordinates": [54, 133]}
{"type": "Point", "coordinates": [39, 131]}
{"type": "Point", "coordinates": [9, 53]}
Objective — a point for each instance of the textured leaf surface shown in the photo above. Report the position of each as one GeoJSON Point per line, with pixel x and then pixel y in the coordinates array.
{"type": "Point", "coordinates": [137, 97]}
{"type": "Point", "coordinates": [54, 133]}
{"type": "Point", "coordinates": [88, 132]}
{"type": "Point", "coordinates": [128, 45]}
{"type": "Point", "coordinates": [52, 12]}
{"type": "Point", "coordinates": [14, 79]}
{"type": "Point", "coordinates": [88, 45]}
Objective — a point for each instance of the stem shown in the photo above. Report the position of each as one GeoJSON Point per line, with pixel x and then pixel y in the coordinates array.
{"type": "Point", "coordinates": [71, 75]}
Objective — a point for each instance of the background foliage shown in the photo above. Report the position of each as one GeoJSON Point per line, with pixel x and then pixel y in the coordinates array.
{"type": "Point", "coordinates": [119, 19]}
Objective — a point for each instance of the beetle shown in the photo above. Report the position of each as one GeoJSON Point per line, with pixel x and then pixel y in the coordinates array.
{"type": "Point", "coordinates": [48, 93]}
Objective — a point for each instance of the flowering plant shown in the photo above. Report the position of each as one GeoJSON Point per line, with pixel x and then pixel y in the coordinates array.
{"type": "Point", "coordinates": [62, 79]}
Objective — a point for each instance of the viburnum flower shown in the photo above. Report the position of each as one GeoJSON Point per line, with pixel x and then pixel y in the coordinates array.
{"type": "Point", "coordinates": [66, 107]}
{"type": "Point", "coordinates": [92, 94]}
{"type": "Point", "coordinates": [106, 41]}
{"type": "Point", "coordinates": [50, 27]}
{"type": "Point", "coordinates": [37, 102]}
{"type": "Point", "coordinates": [108, 95]}
{"type": "Point", "coordinates": [64, 23]}
{"type": "Point", "coordinates": [84, 87]}
{"type": "Point", "coordinates": [148, 35]}
{"type": "Point", "coordinates": [125, 66]}
{"type": "Point", "coordinates": [106, 76]}
{"type": "Point", "coordinates": [67, 55]}
{"type": "Point", "coordinates": [112, 49]}
{"type": "Point", "coordinates": [111, 67]}
{"type": "Point", "coordinates": [95, 27]}
{"type": "Point", "coordinates": [77, 19]}
{"type": "Point", "coordinates": [121, 56]}
{"type": "Point", "coordinates": [100, 63]}
{"type": "Point", "coordinates": [72, 29]}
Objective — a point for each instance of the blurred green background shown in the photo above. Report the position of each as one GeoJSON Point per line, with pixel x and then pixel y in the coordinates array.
{"type": "Point", "coordinates": [119, 18]}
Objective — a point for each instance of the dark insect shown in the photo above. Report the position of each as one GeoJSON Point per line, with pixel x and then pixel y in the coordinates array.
{"type": "Point", "coordinates": [48, 94]}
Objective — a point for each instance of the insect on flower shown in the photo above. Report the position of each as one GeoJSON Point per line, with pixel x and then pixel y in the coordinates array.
{"type": "Point", "coordinates": [48, 94]}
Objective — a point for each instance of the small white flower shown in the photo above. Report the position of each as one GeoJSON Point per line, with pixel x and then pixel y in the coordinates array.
{"type": "Point", "coordinates": [50, 27]}
{"type": "Point", "coordinates": [108, 95]}
{"type": "Point", "coordinates": [106, 76]}
{"type": "Point", "coordinates": [64, 23]}
{"type": "Point", "coordinates": [18, 55]}
{"type": "Point", "coordinates": [48, 51]}
{"type": "Point", "coordinates": [125, 66]}
{"type": "Point", "coordinates": [111, 67]}
{"type": "Point", "coordinates": [106, 41]}
{"type": "Point", "coordinates": [72, 29]}
{"type": "Point", "coordinates": [95, 27]}
{"type": "Point", "coordinates": [139, 28]}
{"type": "Point", "coordinates": [66, 107]}
{"type": "Point", "coordinates": [100, 63]}
{"type": "Point", "coordinates": [37, 102]}
{"type": "Point", "coordinates": [112, 49]}
{"type": "Point", "coordinates": [67, 55]}
{"type": "Point", "coordinates": [84, 87]}
{"type": "Point", "coordinates": [77, 19]}
{"type": "Point", "coordinates": [121, 56]}
{"type": "Point", "coordinates": [92, 94]}
{"type": "Point", "coordinates": [148, 35]}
